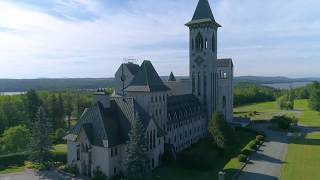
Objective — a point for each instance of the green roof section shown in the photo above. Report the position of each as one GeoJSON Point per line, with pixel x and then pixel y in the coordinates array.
{"type": "Point", "coordinates": [147, 80]}
{"type": "Point", "coordinates": [171, 77]}
{"type": "Point", "coordinates": [203, 14]}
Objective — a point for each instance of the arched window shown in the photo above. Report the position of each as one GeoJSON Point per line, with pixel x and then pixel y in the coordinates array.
{"type": "Point", "coordinates": [199, 42]}
{"type": "Point", "coordinates": [205, 87]}
{"type": "Point", "coordinates": [224, 102]}
{"type": "Point", "coordinates": [213, 42]}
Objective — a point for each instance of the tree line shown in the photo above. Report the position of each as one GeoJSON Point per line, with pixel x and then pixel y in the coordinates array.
{"type": "Point", "coordinates": [19, 114]}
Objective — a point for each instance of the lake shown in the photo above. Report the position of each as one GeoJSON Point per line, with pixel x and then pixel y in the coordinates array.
{"type": "Point", "coordinates": [11, 93]}
{"type": "Point", "coordinates": [288, 85]}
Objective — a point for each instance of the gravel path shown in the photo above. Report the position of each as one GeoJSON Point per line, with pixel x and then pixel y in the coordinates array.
{"type": "Point", "coordinates": [266, 163]}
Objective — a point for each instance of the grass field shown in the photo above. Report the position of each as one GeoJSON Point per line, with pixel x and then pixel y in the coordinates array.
{"type": "Point", "coordinates": [303, 159]}
{"type": "Point", "coordinates": [13, 169]}
{"type": "Point", "coordinates": [174, 171]}
{"type": "Point", "coordinates": [265, 111]}
{"type": "Point", "coordinates": [60, 148]}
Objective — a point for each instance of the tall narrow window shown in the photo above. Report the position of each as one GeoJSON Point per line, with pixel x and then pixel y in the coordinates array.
{"type": "Point", "coordinates": [192, 44]}
{"type": "Point", "coordinates": [193, 83]}
{"type": "Point", "coordinates": [199, 84]}
{"type": "Point", "coordinates": [199, 42]}
{"type": "Point", "coordinates": [213, 43]}
{"type": "Point", "coordinates": [205, 87]}
{"type": "Point", "coordinates": [206, 43]}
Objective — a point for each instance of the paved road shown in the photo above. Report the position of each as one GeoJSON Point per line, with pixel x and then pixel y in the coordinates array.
{"type": "Point", "coordinates": [266, 163]}
{"type": "Point", "coordinates": [31, 175]}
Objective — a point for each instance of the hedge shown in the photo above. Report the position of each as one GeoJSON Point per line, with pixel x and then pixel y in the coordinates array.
{"type": "Point", "coordinates": [19, 158]}
{"type": "Point", "coordinates": [13, 159]}
{"type": "Point", "coordinates": [198, 162]}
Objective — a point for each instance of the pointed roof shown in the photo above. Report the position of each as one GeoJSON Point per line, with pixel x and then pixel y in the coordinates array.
{"type": "Point", "coordinates": [171, 77]}
{"type": "Point", "coordinates": [147, 80]}
{"type": "Point", "coordinates": [203, 13]}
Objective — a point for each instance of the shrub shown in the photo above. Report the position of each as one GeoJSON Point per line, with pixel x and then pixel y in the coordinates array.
{"type": "Point", "coordinates": [283, 122]}
{"type": "Point", "coordinates": [252, 145]}
{"type": "Point", "coordinates": [57, 137]}
{"type": "Point", "coordinates": [260, 137]}
{"type": "Point", "coordinates": [99, 175]}
{"type": "Point", "coordinates": [73, 169]}
{"type": "Point", "coordinates": [59, 157]}
{"type": "Point", "coordinates": [246, 152]}
{"type": "Point", "coordinates": [242, 158]}
{"type": "Point", "coordinates": [168, 157]}
{"type": "Point", "coordinates": [37, 166]}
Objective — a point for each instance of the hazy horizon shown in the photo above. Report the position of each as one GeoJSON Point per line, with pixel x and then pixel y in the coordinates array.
{"type": "Point", "coordinates": [90, 38]}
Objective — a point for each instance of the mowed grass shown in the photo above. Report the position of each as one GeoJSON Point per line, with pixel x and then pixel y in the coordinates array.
{"type": "Point", "coordinates": [174, 171]}
{"type": "Point", "coordinates": [12, 169]}
{"type": "Point", "coordinates": [309, 118]}
{"type": "Point", "coordinates": [264, 111]}
{"type": "Point", "coordinates": [60, 148]}
{"type": "Point", "coordinates": [303, 159]}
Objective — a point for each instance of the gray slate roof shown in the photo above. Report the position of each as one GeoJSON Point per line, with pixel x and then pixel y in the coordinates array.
{"type": "Point", "coordinates": [203, 13]}
{"type": "Point", "coordinates": [182, 107]}
{"type": "Point", "coordinates": [224, 63]}
{"type": "Point", "coordinates": [112, 124]}
{"type": "Point", "coordinates": [133, 68]}
{"type": "Point", "coordinates": [171, 77]}
{"type": "Point", "coordinates": [147, 80]}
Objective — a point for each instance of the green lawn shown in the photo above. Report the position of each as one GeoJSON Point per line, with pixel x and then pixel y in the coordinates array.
{"type": "Point", "coordinates": [13, 169]}
{"type": "Point", "coordinates": [174, 171]}
{"type": "Point", "coordinates": [266, 110]}
{"type": "Point", "coordinates": [303, 159]}
{"type": "Point", "coordinates": [60, 148]}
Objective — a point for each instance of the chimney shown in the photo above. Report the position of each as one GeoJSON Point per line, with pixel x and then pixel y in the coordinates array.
{"type": "Point", "coordinates": [102, 97]}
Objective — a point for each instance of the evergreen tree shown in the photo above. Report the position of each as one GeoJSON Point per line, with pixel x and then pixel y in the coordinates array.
{"type": "Point", "coordinates": [40, 141]}
{"type": "Point", "coordinates": [68, 107]}
{"type": "Point", "coordinates": [61, 114]}
{"type": "Point", "coordinates": [32, 103]}
{"type": "Point", "coordinates": [137, 161]}
{"type": "Point", "coordinates": [222, 133]}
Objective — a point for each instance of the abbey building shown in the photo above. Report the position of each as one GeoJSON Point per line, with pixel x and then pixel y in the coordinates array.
{"type": "Point", "coordinates": [173, 112]}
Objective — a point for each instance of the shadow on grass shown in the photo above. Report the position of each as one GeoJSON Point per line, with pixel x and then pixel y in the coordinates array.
{"type": "Point", "coordinates": [250, 176]}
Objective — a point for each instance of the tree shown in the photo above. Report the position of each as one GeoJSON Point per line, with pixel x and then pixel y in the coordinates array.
{"type": "Point", "coordinates": [137, 161]}
{"type": "Point", "coordinates": [15, 139]}
{"type": "Point", "coordinates": [68, 107]}
{"type": "Point", "coordinates": [314, 98]}
{"type": "Point", "coordinates": [287, 101]}
{"type": "Point", "coordinates": [33, 102]}
{"type": "Point", "coordinates": [40, 141]}
{"type": "Point", "coordinates": [222, 133]}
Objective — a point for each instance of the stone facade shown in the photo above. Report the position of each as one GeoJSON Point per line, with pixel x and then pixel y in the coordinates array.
{"type": "Point", "coordinates": [174, 113]}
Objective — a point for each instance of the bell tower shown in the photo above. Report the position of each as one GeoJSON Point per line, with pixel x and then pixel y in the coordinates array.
{"type": "Point", "coordinates": [203, 56]}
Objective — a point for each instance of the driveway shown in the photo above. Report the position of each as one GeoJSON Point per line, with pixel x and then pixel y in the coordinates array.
{"type": "Point", "coordinates": [266, 163]}
{"type": "Point", "coordinates": [31, 175]}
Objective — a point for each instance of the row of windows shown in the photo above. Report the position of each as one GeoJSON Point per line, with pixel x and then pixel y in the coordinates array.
{"type": "Point", "coordinates": [195, 130]}
{"type": "Point", "coordinates": [183, 123]}
{"type": "Point", "coordinates": [158, 98]}
{"type": "Point", "coordinates": [114, 151]}
{"type": "Point", "coordinates": [203, 44]}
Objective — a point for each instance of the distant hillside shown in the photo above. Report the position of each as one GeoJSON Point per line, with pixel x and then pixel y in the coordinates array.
{"type": "Point", "coordinates": [18, 85]}
{"type": "Point", "coordinates": [271, 80]}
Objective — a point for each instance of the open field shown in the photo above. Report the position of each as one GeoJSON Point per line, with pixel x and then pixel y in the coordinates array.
{"type": "Point", "coordinates": [266, 110]}
{"type": "Point", "coordinates": [303, 159]}
{"type": "Point", "coordinates": [175, 171]}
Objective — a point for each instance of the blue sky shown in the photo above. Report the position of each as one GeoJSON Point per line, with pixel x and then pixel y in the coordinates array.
{"type": "Point", "coordinates": [90, 38]}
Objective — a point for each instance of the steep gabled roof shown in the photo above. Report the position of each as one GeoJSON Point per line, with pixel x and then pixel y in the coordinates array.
{"type": "Point", "coordinates": [147, 80]}
{"type": "Point", "coordinates": [171, 77]}
{"type": "Point", "coordinates": [224, 63]}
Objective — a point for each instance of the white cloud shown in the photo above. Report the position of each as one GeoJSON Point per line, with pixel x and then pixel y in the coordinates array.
{"type": "Point", "coordinates": [38, 43]}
